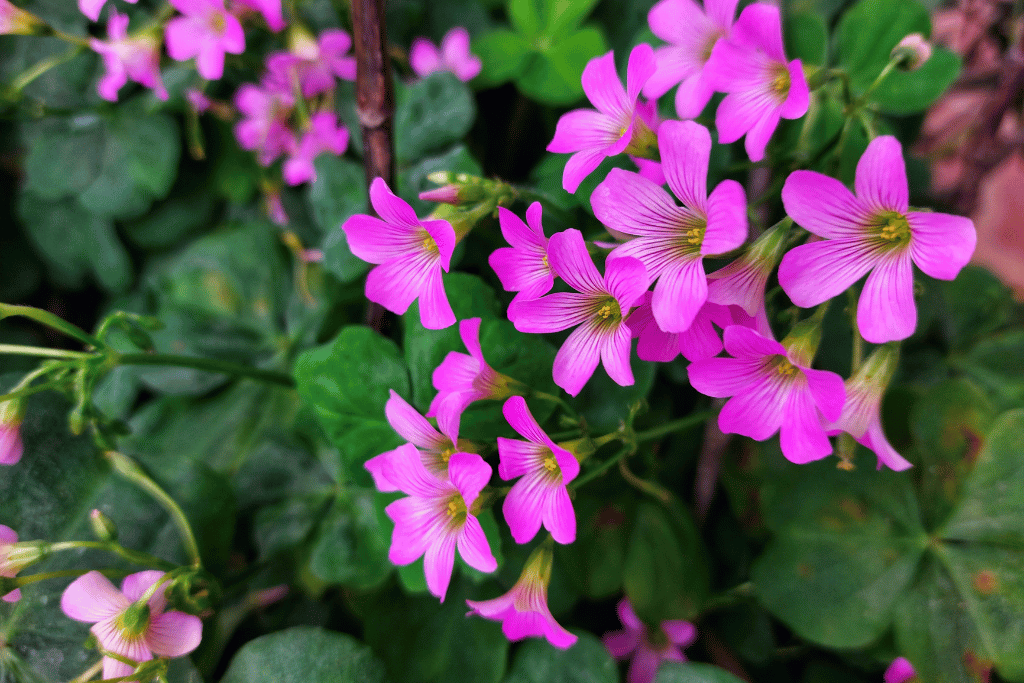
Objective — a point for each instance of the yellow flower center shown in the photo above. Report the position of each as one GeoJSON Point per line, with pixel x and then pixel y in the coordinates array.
{"type": "Point", "coordinates": [217, 22]}
{"type": "Point", "coordinates": [446, 454]}
{"type": "Point", "coordinates": [546, 264]}
{"type": "Point", "coordinates": [780, 81]}
{"type": "Point", "coordinates": [785, 368]}
{"type": "Point", "coordinates": [893, 229]}
{"type": "Point", "coordinates": [429, 245]}
{"type": "Point", "coordinates": [453, 509]}
{"type": "Point", "coordinates": [549, 464]}
{"type": "Point", "coordinates": [695, 235]}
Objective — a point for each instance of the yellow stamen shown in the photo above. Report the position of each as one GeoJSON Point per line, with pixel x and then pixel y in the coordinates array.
{"type": "Point", "coordinates": [430, 246]}
{"type": "Point", "coordinates": [695, 235]}
{"type": "Point", "coordinates": [549, 464]}
{"type": "Point", "coordinates": [604, 312]}
{"type": "Point", "coordinates": [446, 454]}
{"type": "Point", "coordinates": [785, 368]}
{"type": "Point", "coordinates": [453, 509]}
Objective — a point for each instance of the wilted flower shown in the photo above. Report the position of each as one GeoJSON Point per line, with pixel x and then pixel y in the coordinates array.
{"type": "Point", "coordinates": [11, 446]}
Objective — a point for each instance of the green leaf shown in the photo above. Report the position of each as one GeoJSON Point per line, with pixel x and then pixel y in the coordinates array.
{"type": "Point", "coordinates": [587, 661]}
{"type": "Point", "coordinates": [605, 404]}
{"type": "Point", "coordinates": [281, 527]}
{"type": "Point", "coordinates": [693, 672]}
{"type": "Point", "coordinates": [909, 92]}
{"type": "Point", "coordinates": [352, 544]}
{"type": "Point", "coordinates": [995, 363]}
{"type": "Point", "coordinates": [976, 304]}
{"type": "Point", "coordinates": [305, 654]}
{"type": "Point", "coordinates": [347, 382]}
{"type": "Point", "coordinates": [338, 193]}
{"type": "Point", "coordinates": [431, 114]}
{"type": "Point", "coordinates": [596, 560]}
{"type": "Point", "coordinates": [525, 17]}
{"type": "Point", "coordinates": [65, 162]}
{"type": "Point", "coordinates": [553, 76]}
{"type": "Point", "coordinates": [806, 37]}
{"type": "Point", "coordinates": [503, 55]}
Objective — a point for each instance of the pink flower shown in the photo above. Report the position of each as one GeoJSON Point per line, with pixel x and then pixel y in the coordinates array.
{"type": "Point", "coordinates": [134, 630]}
{"type": "Point", "coordinates": [771, 389]}
{"type": "Point", "coordinates": [524, 266]}
{"type": "Point", "coordinates": [698, 341]}
{"type": "Point", "coordinates": [198, 99]}
{"type": "Point", "coordinates": [206, 32]}
{"type": "Point", "coordinates": [437, 516]}
{"type": "Point", "coordinates": [461, 379]}
{"type": "Point", "coordinates": [324, 135]}
{"type": "Point", "coordinates": [264, 126]}
{"type": "Point", "coordinates": [594, 135]}
{"type": "Point", "coordinates": [8, 568]}
{"type": "Point", "coordinates": [523, 610]}
{"type": "Point", "coordinates": [861, 416]}
{"type": "Point", "coordinates": [270, 9]}
{"type": "Point", "coordinates": [597, 309]}
{"type": "Point", "coordinates": [123, 57]}
{"type": "Point", "coordinates": [411, 255]}
{"type": "Point", "coordinates": [900, 671]}
{"type": "Point", "coordinates": [314, 65]}
{"type": "Point", "coordinates": [673, 240]}
{"type": "Point", "coordinates": [11, 446]}
{"type": "Point", "coordinates": [425, 58]}
{"type": "Point", "coordinates": [741, 283]}
{"type": "Point", "coordinates": [90, 8]}
{"type": "Point", "coordinates": [435, 448]}
{"type": "Point", "coordinates": [647, 112]}
{"type": "Point", "coordinates": [751, 66]}
{"type": "Point", "coordinates": [692, 33]}
{"type": "Point", "coordinates": [873, 231]}
{"type": "Point", "coordinates": [649, 648]}
{"type": "Point", "coordinates": [545, 469]}
{"type": "Point", "coordinates": [16, 21]}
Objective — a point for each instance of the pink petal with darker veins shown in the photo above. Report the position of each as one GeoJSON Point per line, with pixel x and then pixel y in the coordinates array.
{"type": "Point", "coordinates": [815, 272]}
{"type": "Point", "coordinates": [92, 598]}
{"type": "Point", "coordinates": [174, 634]}
{"type": "Point", "coordinates": [941, 244]}
{"type": "Point", "coordinates": [551, 313]}
{"type": "Point", "coordinates": [802, 436]}
{"type": "Point", "coordinates": [579, 356]}
{"type": "Point", "coordinates": [686, 151]}
{"type": "Point", "coordinates": [886, 310]}
{"type": "Point", "coordinates": [881, 180]}
{"type": "Point", "coordinates": [567, 253]}
{"type": "Point", "coordinates": [823, 205]}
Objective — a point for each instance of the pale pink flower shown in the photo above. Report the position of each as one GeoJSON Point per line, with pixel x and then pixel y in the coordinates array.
{"type": "Point", "coordinates": [900, 671]}
{"type": "Point", "coordinates": [545, 469]}
{"type": "Point", "coordinates": [90, 8]}
{"type": "Point", "coordinates": [742, 282]}
{"type": "Point", "coordinates": [437, 516]}
{"type": "Point", "coordinates": [264, 126]}
{"type": "Point", "coordinates": [206, 31]}
{"type": "Point", "coordinates": [648, 649]}
{"type": "Point", "coordinates": [614, 126]}
{"type": "Point", "coordinates": [915, 50]}
{"type": "Point", "coordinates": [411, 253]}
{"type": "Point", "coordinates": [446, 194]}
{"type": "Point", "coordinates": [692, 33]}
{"type": "Point", "coordinates": [597, 309]}
{"type": "Point", "coordinates": [672, 240]}
{"type": "Point", "coordinates": [137, 58]}
{"type": "Point", "coordinates": [16, 21]}
{"type": "Point", "coordinates": [523, 267]}
{"type": "Point", "coordinates": [874, 231]}
{"type": "Point", "coordinates": [772, 391]}
{"type": "Point", "coordinates": [315, 66]}
{"type": "Point", "coordinates": [11, 446]}
{"type": "Point", "coordinates": [8, 568]}
{"type": "Point", "coordinates": [751, 66]}
{"type": "Point", "coordinates": [425, 58]}
{"type": "Point", "coordinates": [270, 9]}
{"type": "Point", "coordinates": [324, 135]}
{"type": "Point", "coordinates": [123, 626]}
{"type": "Point", "coordinates": [523, 611]}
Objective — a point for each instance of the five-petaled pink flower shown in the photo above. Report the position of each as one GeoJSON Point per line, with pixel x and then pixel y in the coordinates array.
{"type": "Point", "coordinates": [523, 610]}
{"type": "Point", "coordinates": [593, 135]}
{"type": "Point", "coordinates": [524, 266]}
{"type": "Point", "coordinates": [461, 379]}
{"type": "Point", "coordinates": [692, 32]}
{"type": "Point", "coordinates": [751, 66]}
{"type": "Point", "coordinates": [649, 648]}
{"type": "Point", "coordinates": [772, 391]}
{"type": "Point", "coordinates": [900, 671]}
{"type": "Point", "coordinates": [873, 231]}
{"type": "Point", "coordinates": [264, 126]}
{"type": "Point", "coordinates": [8, 568]}
{"type": "Point", "coordinates": [315, 64]}
{"type": "Point", "coordinates": [598, 309]}
{"type": "Point", "coordinates": [425, 58]}
{"type": "Point", "coordinates": [136, 58]}
{"type": "Point", "coordinates": [545, 469]}
{"type": "Point", "coordinates": [672, 240]}
{"type": "Point", "coordinates": [92, 8]}
{"type": "Point", "coordinates": [122, 625]}
{"type": "Point", "coordinates": [324, 135]}
{"type": "Point", "coordinates": [411, 255]}
{"type": "Point", "coordinates": [437, 516]}
{"type": "Point", "coordinates": [206, 31]}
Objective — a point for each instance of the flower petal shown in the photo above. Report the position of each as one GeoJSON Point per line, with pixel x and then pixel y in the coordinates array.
{"type": "Point", "coordinates": [92, 598]}
{"type": "Point", "coordinates": [375, 241]}
{"type": "Point", "coordinates": [723, 377]}
{"type": "Point", "coordinates": [469, 474]}
{"type": "Point", "coordinates": [602, 85]}
{"type": "Point", "coordinates": [685, 151]}
{"type": "Point", "coordinates": [630, 203]}
{"type": "Point", "coordinates": [639, 69]}
{"type": "Point", "coordinates": [615, 348]}
{"type": "Point", "coordinates": [743, 342]}
{"type": "Point", "coordinates": [727, 219]}
{"type": "Point", "coordinates": [693, 95]}
{"type": "Point", "coordinates": [815, 272]}
{"type": "Point", "coordinates": [941, 244]}
{"type": "Point", "coordinates": [576, 361]}
{"type": "Point", "coordinates": [798, 100]}
{"type": "Point", "coordinates": [626, 280]}
{"type": "Point", "coordinates": [416, 522]}
{"type": "Point", "coordinates": [679, 632]}
{"type": "Point", "coordinates": [802, 436]}
{"type": "Point", "coordinates": [390, 207]}
{"type": "Point", "coordinates": [886, 310]}
{"type": "Point", "coordinates": [412, 426]}
{"type": "Point", "coordinates": [396, 283]}
{"type": "Point", "coordinates": [551, 313]}
{"type": "Point", "coordinates": [438, 562]}
{"type": "Point", "coordinates": [760, 26]}
{"type": "Point", "coordinates": [823, 205]}
{"type": "Point", "coordinates": [174, 634]}
{"type": "Point", "coordinates": [570, 260]}
{"type": "Point", "coordinates": [874, 438]}
{"type": "Point", "coordinates": [424, 57]}
{"type": "Point", "coordinates": [679, 294]}
{"type": "Point", "coordinates": [517, 458]}
{"type": "Point", "coordinates": [760, 133]}
{"type": "Point", "coordinates": [881, 181]}
{"type": "Point", "coordinates": [435, 310]}
{"type": "Point", "coordinates": [134, 585]}
{"type": "Point", "coordinates": [522, 508]}
{"type": "Point", "coordinates": [405, 469]}
{"type": "Point", "coordinates": [519, 417]}
{"type": "Point", "coordinates": [473, 546]}
{"type": "Point", "coordinates": [621, 643]}
{"type": "Point", "coordinates": [828, 391]}
{"type": "Point", "coordinates": [559, 516]}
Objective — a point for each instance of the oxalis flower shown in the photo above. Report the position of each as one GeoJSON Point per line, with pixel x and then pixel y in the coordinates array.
{"type": "Point", "coordinates": [742, 282]}
{"type": "Point", "coordinates": [672, 240]}
{"type": "Point", "coordinates": [426, 58]}
{"type": "Point", "coordinates": [648, 646]}
{"type": "Point", "coordinates": [12, 560]}
{"type": "Point", "coordinates": [873, 231]}
{"type": "Point", "coordinates": [692, 33]}
{"type": "Point", "coordinates": [11, 446]}
{"type": "Point", "coordinates": [523, 610]}
{"type": "Point", "coordinates": [134, 630]}
{"type": "Point", "coordinates": [437, 516]}
{"type": "Point", "coordinates": [264, 126]}
{"type": "Point", "coordinates": [314, 63]}
{"type": "Point", "coordinates": [614, 127]}
{"type": "Point", "coordinates": [772, 390]}
{"type": "Point", "coordinates": [411, 253]}
{"type": "Point", "coordinates": [900, 671]}
{"type": "Point", "coordinates": [136, 58]}
{"type": "Point", "coordinates": [206, 31]}
{"type": "Point", "coordinates": [90, 8]}
{"type": "Point", "coordinates": [762, 87]}
{"type": "Point", "coordinates": [524, 266]}
{"type": "Point", "coordinates": [597, 309]}
{"type": "Point", "coordinates": [545, 469]}
{"type": "Point", "coordinates": [324, 135]}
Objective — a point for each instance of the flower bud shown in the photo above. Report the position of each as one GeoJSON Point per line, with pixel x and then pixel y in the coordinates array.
{"type": "Point", "coordinates": [102, 526]}
{"type": "Point", "coordinates": [912, 51]}
{"type": "Point", "coordinates": [447, 194]}
{"type": "Point", "coordinates": [11, 446]}
{"type": "Point", "coordinates": [15, 21]}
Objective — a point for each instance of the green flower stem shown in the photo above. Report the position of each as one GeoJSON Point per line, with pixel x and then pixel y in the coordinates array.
{"type": "Point", "coordinates": [89, 673]}
{"type": "Point", "coordinates": [42, 352]}
{"type": "Point", "coordinates": [63, 574]}
{"type": "Point", "coordinates": [50, 320]}
{"type": "Point", "coordinates": [858, 341]}
{"type": "Point", "coordinates": [673, 426]}
{"type": "Point", "coordinates": [207, 364]}
{"type": "Point", "coordinates": [600, 469]}
{"type": "Point", "coordinates": [648, 487]}
{"type": "Point", "coordinates": [39, 68]}
{"type": "Point", "coordinates": [555, 399]}
{"type": "Point", "coordinates": [133, 556]}
{"type": "Point", "coordinates": [127, 468]}
{"type": "Point", "coordinates": [893, 63]}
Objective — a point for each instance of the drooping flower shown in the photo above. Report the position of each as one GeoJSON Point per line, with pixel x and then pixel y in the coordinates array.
{"type": "Point", "coordinates": [772, 390]}
{"type": "Point", "coordinates": [598, 309]}
{"type": "Point", "coordinates": [649, 646]}
{"type": "Point", "coordinates": [90, 8]}
{"type": "Point", "coordinates": [762, 87]}
{"type": "Point", "coordinates": [861, 416]}
{"type": "Point", "coordinates": [11, 446]}
{"type": "Point", "coordinates": [742, 282]}
{"type": "Point", "coordinates": [524, 266]}
{"type": "Point", "coordinates": [692, 33]}
{"type": "Point", "coordinates": [411, 255]}
{"type": "Point", "coordinates": [8, 567]}
{"type": "Point", "coordinates": [264, 126]}
{"type": "Point", "coordinates": [672, 240]}
{"type": "Point", "coordinates": [900, 671]}
{"type": "Point", "coordinates": [315, 64]}
{"type": "Point", "coordinates": [206, 31]}
{"type": "Point", "coordinates": [523, 611]}
{"type": "Point", "coordinates": [614, 127]}
{"type": "Point", "coordinates": [270, 9]}
{"type": "Point", "coordinates": [137, 58]}
{"type": "Point", "coordinates": [134, 630]}
{"type": "Point", "coordinates": [873, 231]}
{"type": "Point", "coordinates": [437, 516]}
{"type": "Point", "coordinates": [545, 468]}
{"type": "Point", "coordinates": [324, 135]}
{"type": "Point", "coordinates": [16, 21]}
{"type": "Point", "coordinates": [461, 379]}
{"type": "Point", "coordinates": [425, 58]}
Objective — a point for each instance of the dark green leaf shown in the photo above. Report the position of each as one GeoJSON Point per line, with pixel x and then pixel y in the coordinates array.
{"type": "Point", "coordinates": [553, 76]}
{"type": "Point", "coordinates": [693, 672]}
{"type": "Point", "coordinates": [587, 661]}
{"type": "Point", "coordinates": [352, 544]}
{"type": "Point", "coordinates": [503, 55]}
{"type": "Point", "coordinates": [909, 92]}
{"type": "Point", "coordinates": [806, 37]}
{"type": "Point", "coordinates": [304, 654]}
{"type": "Point", "coordinates": [65, 162]}
{"type": "Point", "coordinates": [431, 114]}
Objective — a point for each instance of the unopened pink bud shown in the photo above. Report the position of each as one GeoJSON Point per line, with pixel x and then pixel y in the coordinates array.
{"type": "Point", "coordinates": [15, 21]}
{"type": "Point", "coordinates": [449, 194]}
{"type": "Point", "coordinates": [267, 596]}
{"type": "Point", "coordinates": [914, 51]}
{"type": "Point", "coordinates": [11, 447]}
